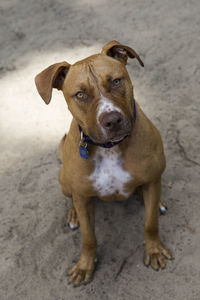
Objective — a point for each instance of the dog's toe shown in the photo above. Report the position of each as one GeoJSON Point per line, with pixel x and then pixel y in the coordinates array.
{"type": "Point", "coordinates": [163, 209]}
{"type": "Point", "coordinates": [81, 273]}
{"type": "Point", "coordinates": [156, 255]}
{"type": "Point", "coordinates": [73, 226]}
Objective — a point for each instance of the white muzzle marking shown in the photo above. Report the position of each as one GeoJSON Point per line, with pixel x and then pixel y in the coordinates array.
{"type": "Point", "coordinates": [106, 105]}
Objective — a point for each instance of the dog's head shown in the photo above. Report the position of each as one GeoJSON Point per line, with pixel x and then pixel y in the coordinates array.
{"type": "Point", "coordinates": [98, 91]}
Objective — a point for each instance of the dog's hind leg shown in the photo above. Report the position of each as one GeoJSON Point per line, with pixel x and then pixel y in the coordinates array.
{"type": "Point", "coordinates": [72, 218]}
{"type": "Point", "coordinates": [162, 208]}
{"type": "Point", "coordinates": [60, 148]}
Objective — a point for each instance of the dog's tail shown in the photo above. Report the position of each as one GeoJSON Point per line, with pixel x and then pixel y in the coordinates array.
{"type": "Point", "coordinates": [60, 148]}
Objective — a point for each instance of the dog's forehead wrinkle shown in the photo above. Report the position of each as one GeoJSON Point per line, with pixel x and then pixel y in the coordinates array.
{"type": "Point", "coordinates": [105, 72]}
{"type": "Point", "coordinates": [94, 77]}
{"type": "Point", "coordinates": [78, 77]}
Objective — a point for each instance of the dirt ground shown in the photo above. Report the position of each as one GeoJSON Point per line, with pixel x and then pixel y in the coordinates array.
{"type": "Point", "coordinates": [36, 247]}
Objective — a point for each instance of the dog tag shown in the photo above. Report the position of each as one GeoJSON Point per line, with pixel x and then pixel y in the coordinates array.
{"type": "Point", "coordinates": [83, 152]}
{"type": "Point", "coordinates": [83, 147]}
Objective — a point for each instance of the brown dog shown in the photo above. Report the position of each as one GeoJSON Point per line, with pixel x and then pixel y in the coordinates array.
{"type": "Point", "coordinates": [111, 148]}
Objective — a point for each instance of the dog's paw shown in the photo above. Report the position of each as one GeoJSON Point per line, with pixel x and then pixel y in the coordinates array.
{"type": "Point", "coordinates": [163, 208]}
{"type": "Point", "coordinates": [81, 273]}
{"type": "Point", "coordinates": [72, 219]}
{"type": "Point", "coordinates": [156, 255]}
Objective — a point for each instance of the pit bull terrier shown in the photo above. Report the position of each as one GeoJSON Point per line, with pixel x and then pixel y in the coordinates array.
{"type": "Point", "coordinates": [111, 149]}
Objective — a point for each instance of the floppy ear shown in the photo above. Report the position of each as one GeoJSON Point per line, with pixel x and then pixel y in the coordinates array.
{"type": "Point", "coordinates": [52, 77]}
{"type": "Point", "coordinates": [120, 52]}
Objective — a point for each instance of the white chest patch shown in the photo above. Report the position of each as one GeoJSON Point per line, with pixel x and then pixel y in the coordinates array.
{"type": "Point", "coordinates": [108, 176]}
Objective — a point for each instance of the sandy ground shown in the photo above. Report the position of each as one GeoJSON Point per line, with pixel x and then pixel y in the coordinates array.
{"type": "Point", "coordinates": [36, 247]}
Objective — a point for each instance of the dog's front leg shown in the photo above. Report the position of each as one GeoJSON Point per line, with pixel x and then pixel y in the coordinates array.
{"type": "Point", "coordinates": [83, 269]}
{"type": "Point", "coordinates": [155, 252]}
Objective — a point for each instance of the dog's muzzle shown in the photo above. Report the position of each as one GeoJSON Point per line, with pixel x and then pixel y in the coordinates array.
{"type": "Point", "coordinates": [114, 125]}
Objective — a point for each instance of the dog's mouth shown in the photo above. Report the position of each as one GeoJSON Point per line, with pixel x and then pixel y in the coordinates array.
{"type": "Point", "coordinates": [112, 139]}
{"type": "Point", "coordinates": [119, 139]}
{"type": "Point", "coordinates": [119, 135]}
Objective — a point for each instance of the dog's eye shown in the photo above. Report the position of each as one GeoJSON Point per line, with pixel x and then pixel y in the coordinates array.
{"type": "Point", "coordinates": [116, 82]}
{"type": "Point", "coordinates": [81, 95]}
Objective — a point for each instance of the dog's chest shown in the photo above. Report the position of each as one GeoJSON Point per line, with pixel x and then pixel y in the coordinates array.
{"type": "Point", "coordinates": [109, 177]}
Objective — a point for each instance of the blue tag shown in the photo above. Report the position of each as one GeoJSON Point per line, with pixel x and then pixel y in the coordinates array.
{"type": "Point", "coordinates": [83, 152]}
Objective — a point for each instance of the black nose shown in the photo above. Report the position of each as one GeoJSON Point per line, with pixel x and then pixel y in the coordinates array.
{"type": "Point", "coordinates": [111, 121]}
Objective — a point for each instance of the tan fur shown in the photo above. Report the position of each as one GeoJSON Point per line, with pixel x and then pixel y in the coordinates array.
{"type": "Point", "coordinates": [142, 150]}
{"type": "Point", "coordinates": [60, 148]}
